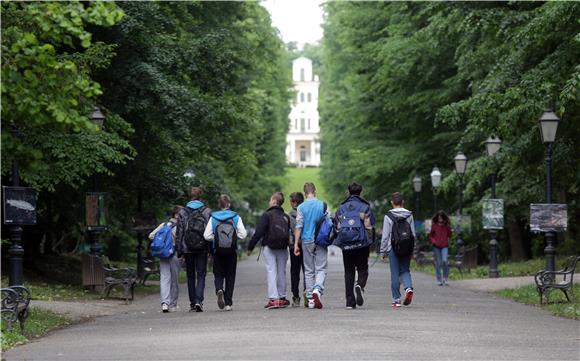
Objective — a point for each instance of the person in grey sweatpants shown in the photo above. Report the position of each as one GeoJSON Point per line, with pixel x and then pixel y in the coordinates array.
{"type": "Point", "coordinates": [169, 270]}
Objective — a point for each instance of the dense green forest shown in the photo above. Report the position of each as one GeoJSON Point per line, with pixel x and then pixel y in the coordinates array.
{"type": "Point", "coordinates": [405, 86]}
{"type": "Point", "coordinates": [194, 93]}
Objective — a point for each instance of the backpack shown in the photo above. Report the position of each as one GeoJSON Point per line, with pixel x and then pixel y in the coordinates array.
{"type": "Point", "coordinates": [194, 228]}
{"type": "Point", "coordinates": [351, 234]}
{"type": "Point", "coordinates": [225, 237]}
{"type": "Point", "coordinates": [162, 243]}
{"type": "Point", "coordinates": [323, 230]}
{"type": "Point", "coordinates": [402, 239]}
{"type": "Point", "coordinates": [278, 230]}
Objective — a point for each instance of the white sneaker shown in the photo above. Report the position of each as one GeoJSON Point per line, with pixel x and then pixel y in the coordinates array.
{"type": "Point", "coordinates": [173, 309]}
{"type": "Point", "coordinates": [228, 308]}
{"type": "Point", "coordinates": [164, 308]}
{"type": "Point", "coordinates": [311, 303]}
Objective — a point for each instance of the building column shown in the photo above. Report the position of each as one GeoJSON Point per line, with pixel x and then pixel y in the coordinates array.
{"type": "Point", "coordinates": [312, 152]}
{"type": "Point", "coordinates": [292, 151]}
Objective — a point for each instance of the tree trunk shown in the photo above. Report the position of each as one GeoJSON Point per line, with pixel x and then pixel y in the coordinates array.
{"type": "Point", "coordinates": [518, 252]}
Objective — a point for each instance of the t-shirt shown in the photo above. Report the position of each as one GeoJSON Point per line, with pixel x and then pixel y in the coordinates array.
{"type": "Point", "coordinates": [309, 213]}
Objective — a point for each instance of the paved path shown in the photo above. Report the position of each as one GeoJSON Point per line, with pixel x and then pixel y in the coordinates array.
{"type": "Point", "coordinates": [443, 323]}
{"type": "Point", "coordinates": [495, 284]}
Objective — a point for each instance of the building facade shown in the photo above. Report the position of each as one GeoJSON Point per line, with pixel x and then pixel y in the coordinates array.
{"type": "Point", "coordinates": [303, 139]}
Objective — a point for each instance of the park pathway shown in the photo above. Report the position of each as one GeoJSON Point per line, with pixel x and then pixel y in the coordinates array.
{"type": "Point", "coordinates": [443, 323]}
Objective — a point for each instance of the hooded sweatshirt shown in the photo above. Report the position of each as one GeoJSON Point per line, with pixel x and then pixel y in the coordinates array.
{"type": "Point", "coordinates": [223, 215]}
{"type": "Point", "coordinates": [263, 227]}
{"type": "Point", "coordinates": [180, 245]}
{"type": "Point", "coordinates": [388, 228]}
{"type": "Point", "coordinates": [439, 235]}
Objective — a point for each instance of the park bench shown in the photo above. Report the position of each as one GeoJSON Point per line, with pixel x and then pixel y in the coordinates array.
{"type": "Point", "coordinates": [150, 268]}
{"type": "Point", "coordinates": [97, 271]}
{"type": "Point", "coordinates": [466, 258]}
{"type": "Point", "coordinates": [15, 302]}
{"type": "Point", "coordinates": [562, 280]}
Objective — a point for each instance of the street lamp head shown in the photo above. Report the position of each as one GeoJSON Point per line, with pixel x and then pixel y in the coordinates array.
{"type": "Point", "coordinates": [548, 126]}
{"type": "Point", "coordinates": [492, 145]}
{"type": "Point", "coordinates": [435, 177]}
{"type": "Point", "coordinates": [460, 163]}
{"type": "Point", "coordinates": [97, 117]}
{"type": "Point", "coordinates": [417, 183]}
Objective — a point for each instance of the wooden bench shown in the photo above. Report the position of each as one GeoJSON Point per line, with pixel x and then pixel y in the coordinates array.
{"type": "Point", "coordinates": [15, 302]}
{"type": "Point", "coordinates": [150, 268]}
{"type": "Point", "coordinates": [562, 280]}
{"type": "Point", "coordinates": [104, 275]}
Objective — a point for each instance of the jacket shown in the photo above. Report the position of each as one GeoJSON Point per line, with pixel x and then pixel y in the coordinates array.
{"type": "Point", "coordinates": [174, 230]}
{"type": "Point", "coordinates": [366, 215]}
{"type": "Point", "coordinates": [388, 228]}
{"type": "Point", "coordinates": [180, 245]}
{"type": "Point", "coordinates": [439, 235]}
{"type": "Point", "coordinates": [264, 225]}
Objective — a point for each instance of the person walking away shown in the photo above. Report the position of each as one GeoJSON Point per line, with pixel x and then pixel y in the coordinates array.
{"type": "Point", "coordinates": [397, 243]}
{"type": "Point", "coordinates": [296, 264]}
{"type": "Point", "coordinates": [439, 237]}
{"type": "Point", "coordinates": [192, 246]}
{"type": "Point", "coordinates": [223, 231]}
{"type": "Point", "coordinates": [354, 223]}
{"type": "Point", "coordinates": [273, 229]}
{"type": "Point", "coordinates": [169, 265]}
{"type": "Point", "coordinates": [309, 214]}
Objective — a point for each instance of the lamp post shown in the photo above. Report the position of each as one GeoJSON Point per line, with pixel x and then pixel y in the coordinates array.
{"type": "Point", "coordinates": [460, 167]}
{"type": "Point", "coordinates": [98, 118]}
{"type": "Point", "coordinates": [435, 181]}
{"type": "Point", "coordinates": [16, 251]}
{"type": "Point", "coordinates": [548, 127]}
{"type": "Point", "coordinates": [417, 188]}
{"type": "Point", "coordinates": [492, 145]}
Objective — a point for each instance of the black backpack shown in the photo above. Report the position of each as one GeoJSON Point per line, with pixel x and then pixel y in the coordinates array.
{"type": "Point", "coordinates": [278, 230]}
{"type": "Point", "coordinates": [194, 228]}
{"type": "Point", "coordinates": [225, 237]}
{"type": "Point", "coordinates": [402, 239]}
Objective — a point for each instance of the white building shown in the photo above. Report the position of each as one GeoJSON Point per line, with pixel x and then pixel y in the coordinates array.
{"type": "Point", "coordinates": [303, 139]}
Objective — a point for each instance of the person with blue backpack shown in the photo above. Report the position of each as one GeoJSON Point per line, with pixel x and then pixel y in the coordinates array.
{"type": "Point", "coordinates": [397, 243]}
{"type": "Point", "coordinates": [192, 246]}
{"type": "Point", "coordinates": [223, 231]}
{"type": "Point", "coordinates": [354, 233]}
{"type": "Point", "coordinates": [163, 246]}
{"type": "Point", "coordinates": [310, 219]}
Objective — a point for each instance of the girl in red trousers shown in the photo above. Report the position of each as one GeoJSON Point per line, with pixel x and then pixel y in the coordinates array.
{"type": "Point", "coordinates": [439, 237]}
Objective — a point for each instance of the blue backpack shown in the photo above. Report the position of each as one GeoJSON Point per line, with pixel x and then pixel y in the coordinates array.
{"type": "Point", "coordinates": [322, 234]}
{"type": "Point", "coordinates": [351, 233]}
{"type": "Point", "coordinates": [162, 244]}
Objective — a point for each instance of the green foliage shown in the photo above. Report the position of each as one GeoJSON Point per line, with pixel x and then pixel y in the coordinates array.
{"type": "Point", "coordinates": [557, 304]}
{"type": "Point", "coordinates": [294, 182]}
{"type": "Point", "coordinates": [39, 323]}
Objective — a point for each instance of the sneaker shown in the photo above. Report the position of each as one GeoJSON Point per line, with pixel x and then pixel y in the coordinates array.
{"type": "Point", "coordinates": [310, 304]}
{"type": "Point", "coordinates": [192, 308]}
{"type": "Point", "coordinates": [359, 295]}
{"type": "Point", "coordinates": [198, 307]}
{"type": "Point", "coordinates": [228, 308]}
{"type": "Point", "coordinates": [305, 299]}
{"type": "Point", "coordinates": [396, 304]}
{"type": "Point", "coordinates": [283, 302]}
{"type": "Point", "coordinates": [164, 308]}
{"type": "Point", "coordinates": [316, 298]}
{"type": "Point", "coordinates": [350, 307]}
{"type": "Point", "coordinates": [220, 300]}
{"type": "Point", "coordinates": [296, 302]}
{"type": "Point", "coordinates": [446, 282]}
{"type": "Point", "coordinates": [439, 283]}
{"type": "Point", "coordinates": [408, 296]}
{"type": "Point", "coordinates": [272, 304]}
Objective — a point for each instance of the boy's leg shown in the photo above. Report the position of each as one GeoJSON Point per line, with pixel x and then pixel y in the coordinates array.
{"type": "Point", "coordinates": [295, 266]}
{"type": "Point", "coordinates": [320, 264]}
{"type": "Point", "coordinates": [200, 268]}
{"type": "Point", "coordinates": [165, 281]}
{"type": "Point", "coordinates": [174, 292]}
{"type": "Point", "coordinates": [190, 269]}
{"type": "Point", "coordinates": [362, 266]}
{"type": "Point", "coordinates": [404, 264]}
{"type": "Point", "coordinates": [270, 262]}
{"type": "Point", "coordinates": [230, 279]}
{"type": "Point", "coordinates": [445, 262]}
{"type": "Point", "coordinates": [218, 272]}
{"type": "Point", "coordinates": [395, 284]}
{"type": "Point", "coordinates": [437, 255]}
{"type": "Point", "coordinates": [308, 259]}
{"type": "Point", "coordinates": [281, 260]}
{"type": "Point", "coordinates": [349, 270]}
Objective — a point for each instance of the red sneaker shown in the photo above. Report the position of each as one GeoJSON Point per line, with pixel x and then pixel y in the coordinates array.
{"type": "Point", "coordinates": [316, 298]}
{"type": "Point", "coordinates": [272, 304]}
{"type": "Point", "coordinates": [408, 297]}
{"type": "Point", "coordinates": [283, 303]}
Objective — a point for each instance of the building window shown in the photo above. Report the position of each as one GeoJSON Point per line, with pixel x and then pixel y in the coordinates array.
{"type": "Point", "coordinates": [301, 97]}
{"type": "Point", "coordinates": [302, 125]}
{"type": "Point", "coordinates": [302, 153]}
{"type": "Point", "coordinates": [296, 124]}
{"type": "Point", "coordinates": [308, 123]}
{"type": "Point", "coordinates": [302, 74]}
{"type": "Point", "coordinates": [309, 97]}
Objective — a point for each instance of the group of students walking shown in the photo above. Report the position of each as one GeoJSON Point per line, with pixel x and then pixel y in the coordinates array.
{"type": "Point", "coordinates": [194, 232]}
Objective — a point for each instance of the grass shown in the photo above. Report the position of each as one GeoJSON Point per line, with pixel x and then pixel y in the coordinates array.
{"type": "Point", "coordinates": [558, 304]}
{"type": "Point", "coordinates": [39, 323]}
{"type": "Point", "coordinates": [295, 179]}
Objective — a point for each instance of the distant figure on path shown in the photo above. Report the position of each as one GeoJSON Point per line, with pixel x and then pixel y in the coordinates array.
{"type": "Point", "coordinates": [354, 223]}
{"type": "Point", "coordinates": [169, 267]}
{"type": "Point", "coordinates": [296, 263]}
{"type": "Point", "coordinates": [223, 231]}
{"type": "Point", "coordinates": [192, 246]}
{"type": "Point", "coordinates": [439, 237]}
{"type": "Point", "coordinates": [308, 216]}
{"type": "Point", "coordinates": [397, 243]}
{"type": "Point", "coordinates": [273, 229]}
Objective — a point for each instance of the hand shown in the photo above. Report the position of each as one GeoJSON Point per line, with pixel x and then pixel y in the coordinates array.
{"type": "Point", "coordinates": [296, 251]}
{"type": "Point", "coordinates": [384, 258]}
{"type": "Point", "coordinates": [249, 253]}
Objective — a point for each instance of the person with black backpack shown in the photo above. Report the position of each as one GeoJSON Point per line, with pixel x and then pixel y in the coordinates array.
{"type": "Point", "coordinates": [223, 231]}
{"type": "Point", "coordinates": [192, 246]}
{"type": "Point", "coordinates": [273, 230]}
{"type": "Point", "coordinates": [397, 244]}
{"type": "Point", "coordinates": [354, 225]}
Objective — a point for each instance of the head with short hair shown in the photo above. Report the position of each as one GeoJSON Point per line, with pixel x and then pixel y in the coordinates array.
{"type": "Point", "coordinates": [277, 199]}
{"type": "Point", "coordinates": [397, 199]}
{"type": "Point", "coordinates": [354, 189]}
{"type": "Point", "coordinates": [175, 211]}
{"type": "Point", "coordinates": [296, 198]}
{"type": "Point", "coordinates": [195, 193]}
{"type": "Point", "coordinates": [309, 188]}
{"type": "Point", "coordinates": [224, 201]}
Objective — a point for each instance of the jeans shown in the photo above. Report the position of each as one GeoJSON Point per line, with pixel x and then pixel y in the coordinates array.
{"type": "Point", "coordinates": [356, 260]}
{"type": "Point", "coordinates": [275, 260]}
{"type": "Point", "coordinates": [399, 268]}
{"type": "Point", "coordinates": [314, 267]}
{"type": "Point", "coordinates": [441, 256]}
{"type": "Point", "coordinates": [195, 264]}
{"type": "Point", "coordinates": [224, 269]}
{"type": "Point", "coordinates": [296, 266]}
{"type": "Point", "coordinates": [169, 280]}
